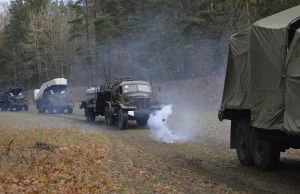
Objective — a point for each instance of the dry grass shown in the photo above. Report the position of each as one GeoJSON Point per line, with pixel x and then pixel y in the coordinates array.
{"type": "Point", "coordinates": [52, 161]}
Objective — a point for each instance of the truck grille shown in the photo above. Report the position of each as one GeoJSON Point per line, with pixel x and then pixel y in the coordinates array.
{"type": "Point", "coordinates": [142, 103]}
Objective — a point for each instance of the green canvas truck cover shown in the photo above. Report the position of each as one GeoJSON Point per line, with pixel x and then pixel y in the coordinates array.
{"type": "Point", "coordinates": [263, 74]}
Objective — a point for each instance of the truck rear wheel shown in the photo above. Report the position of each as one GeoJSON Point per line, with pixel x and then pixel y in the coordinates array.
{"type": "Point", "coordinates": [87, 117]}
{"type": "Point", "coordinates": [92, 116]}
{"type": "Point", "coordinates": [266, 154]}
{"type": "Point", "coordinates": [70, 110]}
{"type": "Point", "coordinates": [11, 107]}
{"type": "Point", "coordinates": [109, 118]}
{"type": "Point", "coordinates": [123, 119]}
{"type": "Point", "coordinates": [244, 142]}
{"type": "Point", "coordinates": [50, 109]}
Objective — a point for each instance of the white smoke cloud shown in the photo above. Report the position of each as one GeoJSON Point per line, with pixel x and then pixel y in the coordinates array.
{"type": "Point", "coordinates": [158, 123]}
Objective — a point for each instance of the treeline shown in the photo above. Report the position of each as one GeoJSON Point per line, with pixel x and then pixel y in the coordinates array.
{"type": "Point", "coordinates": [88, 40]}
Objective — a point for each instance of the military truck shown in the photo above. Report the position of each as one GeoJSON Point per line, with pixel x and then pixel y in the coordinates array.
{"type": "Point", "coordinates": [261, 93]}
{"type": "Point", "coordinates": [120, 100]}
{"type": "Point", "coordinates": [53, 96]}
{"type": "Point", "coordinates": [12, 98]}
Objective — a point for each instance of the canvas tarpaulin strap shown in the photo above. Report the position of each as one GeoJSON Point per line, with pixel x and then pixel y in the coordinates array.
{"type": "Point", "coordinates": [256, 77]}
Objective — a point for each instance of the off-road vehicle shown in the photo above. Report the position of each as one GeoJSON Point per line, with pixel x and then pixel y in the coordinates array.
{"type": "Point", "coordinates": [262, 89]}
{"type": "Point", "coordinates": [13, 97]}
{"type": "Point", "coordinates": [120, 100]}
{"type": "Point", "coordinates": [54, 96]}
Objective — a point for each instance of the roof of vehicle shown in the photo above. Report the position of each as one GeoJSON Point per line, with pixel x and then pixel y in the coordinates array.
{"type": "Point", "coordinates": [57, 81]}
{"type": "Point", "coordinates": [279, 20]}
{"type": "Point", "coordinates": [135, 83]}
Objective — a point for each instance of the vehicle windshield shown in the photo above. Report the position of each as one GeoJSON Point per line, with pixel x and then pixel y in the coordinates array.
{"type": "Point", "coordinates": [137, 88]}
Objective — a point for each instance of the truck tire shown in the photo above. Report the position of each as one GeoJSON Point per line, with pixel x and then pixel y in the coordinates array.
{"type": "Point", "coordinates": [109, 119]}
{"type": "Point", "coordinates": [92, 116]}
{"type": "Point", "coordinates": [87, 117]}
{"type": "Point", "coordinates": [18, 109]}
{"type": "Point", "coordinates": [70, 110]}
{"type": "Point", "coordinates": [10, 107]}
{"type": "Point", "coordinates": [266, 154]}
{"type": "Point", "coordinates": [142, 122]}
{"type": "Point", "coordinates": [38, 108]}
{"type": "Point", "coordinates": [43, 109]}
{"type": "Point", "coordinates": [123, 119]}
{"type": "Point", "coordinates": [244, 142]}
{"type": "Point", "coordinates": [50, 109]}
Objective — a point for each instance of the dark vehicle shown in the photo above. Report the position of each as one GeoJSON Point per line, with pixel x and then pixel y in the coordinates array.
{"type": "Point", "coordinates": [262, 89]}
{"type": "Point", "coordinates": [13, 98]}
{"type": "Point", "coordinates": [54, 96]}
{"type": "Point", "coordinates": [120, 100]}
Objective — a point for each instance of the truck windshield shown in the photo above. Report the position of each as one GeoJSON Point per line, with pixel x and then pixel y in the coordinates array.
{"type": "Point", "coordinates": [137, 88]}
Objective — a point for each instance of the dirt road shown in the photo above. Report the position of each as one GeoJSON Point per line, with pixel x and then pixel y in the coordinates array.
{"type": "Point", "coordinates": [205, 165]}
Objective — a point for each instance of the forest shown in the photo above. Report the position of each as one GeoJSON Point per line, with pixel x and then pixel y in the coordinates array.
{"type": "Point", "coordinates": [86, 41]}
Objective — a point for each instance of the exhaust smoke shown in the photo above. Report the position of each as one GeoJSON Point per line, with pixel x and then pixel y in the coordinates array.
{"type": "Point", "coordinates": [158, 124]}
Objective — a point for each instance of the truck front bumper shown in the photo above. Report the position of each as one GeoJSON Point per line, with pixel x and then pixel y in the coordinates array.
{"type": "Point", "coordinates": [19, 104]}
{"type": "Point", "coordinates": [62, 105]}
{"type": "Point", "coordinates": [140, 114]}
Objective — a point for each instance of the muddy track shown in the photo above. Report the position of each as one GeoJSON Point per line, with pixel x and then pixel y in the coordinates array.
{"type": "Point", "coordinates": [191, 161]}
{"type": "Point", "coordinates": [190, 164]}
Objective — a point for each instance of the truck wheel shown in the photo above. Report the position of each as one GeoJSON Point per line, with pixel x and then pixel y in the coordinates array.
{"type": "Point", "coordinates": [50, 109]}
{"type": "Point", "coordinates": [18, 109]}
{"type": "Point", "coordinates": [244, 142]}
{"type": "Point", "coordinates": [43, 109]}
{"type": "Point", "coordinates": [266, 154]}
{"type": "Point", "coordinates": [38, 108]}
{"type": "Point", "coordinates": [92, 116]}
{"type": "Point", "coordinates": [142, 122]}
{"type": "Point", "coordinates": [87, 117]}
{"type": "Point", "coordinates": [123, 119]}
{"type": "Point", "coordinates": [10, 107]}
{"type": "Point", "coordinates": [109, 119]}
{"type": "Point", "coordinates": [70, 110]}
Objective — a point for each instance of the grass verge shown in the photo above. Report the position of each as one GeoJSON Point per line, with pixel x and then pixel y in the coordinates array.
{"type": "Point", "coordinates": [53, 161]}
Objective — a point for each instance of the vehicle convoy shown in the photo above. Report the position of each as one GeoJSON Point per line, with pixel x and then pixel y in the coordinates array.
{"type": "Point", "coordinates": [53, 96]}
{"type": "Point", "coordinates": [12, 98]}
{"type": "Point", "coordinates": [120, 100]}
{"type": "Point", "coordinates": [262, 89]}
